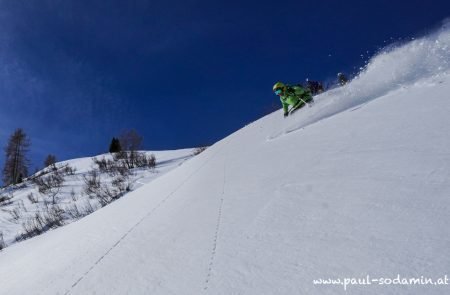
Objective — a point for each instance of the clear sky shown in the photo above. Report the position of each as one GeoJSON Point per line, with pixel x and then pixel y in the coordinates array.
{"type": "Point", "coordinates": [183, 73]}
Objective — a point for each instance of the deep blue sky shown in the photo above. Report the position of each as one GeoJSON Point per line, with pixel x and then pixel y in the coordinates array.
{"type": "Point", "coordinates": [183, 73]}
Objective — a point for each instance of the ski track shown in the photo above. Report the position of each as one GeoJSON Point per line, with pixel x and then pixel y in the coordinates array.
{"type": "Point", "coordinates": [69, 266]}
{"type": "Point", "coordinates": [142, 219]}
{"type": "Point", "coordinates": [316, 120]}
{"type": "Point", "coordinates": [216, 233]}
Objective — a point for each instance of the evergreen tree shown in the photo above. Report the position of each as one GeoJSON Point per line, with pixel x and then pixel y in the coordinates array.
{"type": "Point", "coordinates": [16, 164]}
{"type": "Point", "coordinates": [115, 147]}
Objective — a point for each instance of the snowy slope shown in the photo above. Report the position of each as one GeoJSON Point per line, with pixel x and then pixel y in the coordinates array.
{"type": "Point", "coordinates": [356, 185]}
{"type": "Point", "coordinates": [72, 190]}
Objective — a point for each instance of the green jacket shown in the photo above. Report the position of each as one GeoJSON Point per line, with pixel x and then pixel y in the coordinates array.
{"type": "Point", "coordinates": [292, 95]}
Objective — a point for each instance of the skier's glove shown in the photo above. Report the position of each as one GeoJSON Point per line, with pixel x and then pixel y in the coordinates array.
{"type": "Point", "coordinates": [286, 114]}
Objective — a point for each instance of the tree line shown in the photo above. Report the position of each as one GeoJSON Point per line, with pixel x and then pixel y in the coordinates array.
{"type": "Point", "coordinates": [17, 163]}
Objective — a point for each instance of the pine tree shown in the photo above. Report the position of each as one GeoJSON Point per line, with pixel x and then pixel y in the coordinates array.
{"type": "Point", "coordinates": [16, 164]}
{"type": "Point", "coordinates": [115, 146]}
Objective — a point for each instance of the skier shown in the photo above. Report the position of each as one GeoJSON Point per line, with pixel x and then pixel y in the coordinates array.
{"type": "Point", "coordinates": [294, 96]}
{"type": "Point", "coordinates": [342, 79]}
{"type": "Point", "coordinates": [315, 87]}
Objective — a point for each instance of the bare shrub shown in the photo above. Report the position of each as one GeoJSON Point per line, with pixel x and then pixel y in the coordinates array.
{"type": "Point", "coordinates": [47, 204]}
{"type": "Point", "coordinates": [87, 208]}
{"type": "Point", "coordinates": [91, 183]}
{"type": "Point", "coordinates": [146, 161]}
{"type": "Point", "coordinates": [16, 214]}
{"type": "Point", "coordinates": [2, 242]}
{"type": "Point", "coordinates": [21, 206]}
{"type": "Point", "coordinates": [73, 195]}
{"type": "Point", "coordinates": [199, 150]}
{"type": "Point", "coordinates": [68, 170]}
{"type": "Point", "coordinates": [5, 200]}
{"type": "Point", "coordinates": [33, 199]}
{"type": "Point", "coordinates": [41, 222]}
{"type": "Point", "coordinates": [121, 184]}
{"type": "Point", "coordinates": [77, 212]}
{"type": "Point", "coordinates": [103, 165]}
{"type": "Point", "coordinates": [95, 189]}
{"type": "Point", "coordinates": [62, 170]}
{"type": "Point", "coordinates": [135, 159]}
{"type": "Point", "coordinates": [111, 167]}
{"type": "Point", "coordinates": [50, 185]}
{"type": "Point", "coordinates": [73, 211]}
{"type": "Point", "coordinates": [121, 169]}
{"type": "Point", "coordinates": [32, 227]}
{"type": "Point", "coordinates": [105, 194]}
{"type": "Point", "coordinates": [54, 217]}
{"type": "Point", "coordinates": [125, 157]}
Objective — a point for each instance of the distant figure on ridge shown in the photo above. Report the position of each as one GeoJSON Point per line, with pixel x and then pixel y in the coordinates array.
{"type": "Point", "coordinates": [314, 87]}
{"type": "Point", "coordinates": [342, 79]}
{"type": "Point", "coordinates": [295, 96]}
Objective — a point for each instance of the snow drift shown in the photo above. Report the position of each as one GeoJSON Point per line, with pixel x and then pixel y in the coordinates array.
{"type": "Point", "coordinates": [280, 203]}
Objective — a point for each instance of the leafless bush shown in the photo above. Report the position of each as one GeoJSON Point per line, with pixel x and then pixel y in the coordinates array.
{"type": "Point", "coordinates": [87, 208]}
{"type": "Point", "coordinates": [103, 164]}
{"type": "Point", "coordinates": [22, 206]}
{"type": "Point", "coordinates": [112, 167]}
{"type": "Point", "coordinates": [126, 157]}
{"type": "Point", "coordinates": [121, 184]}
{"type": "Point", "coordinates": [91, 183]}
{"type": "Point", "coordinates": [54, 217]}
{"type": "Point", "coordinates": [135, 159]}
{"type": "Point", "coordinates": [73, 195]}
{"type": "Point", "coordinates": [77, 212]}
{"type": "Point", "coordinates": [32, 227]}
{"type": "Point", "coordinates": [5, 200]}
{"type": "Point", "coordinates": [105, 194]}
{"type": "Point", "coordinates": [146, 161]}
{"type": "Point", "coordinates": [15, 213]}
{"type": "Point", "coordinates": [50, 185]}
{"type": "Point", "coordinates": [199, 150]}
{"type": "Point", "coordinates": [63, 170]}
{"type": "Point", "coordinates": [121, 169]}
{"type": "Point", "coordinates": [41, 222]}
{"type": "Point", "coordinates": [47, 204]}
{"type": "Point", "coordinates": [68, 170]}
{"type": "Point", "coordinates": [33, 199]}
{"type": "Point", "coordinates": [2, 242]}
{"type": "Point", "coordinates": [73, 211]}
{"type": "Point", "coordinates": [95, 189]}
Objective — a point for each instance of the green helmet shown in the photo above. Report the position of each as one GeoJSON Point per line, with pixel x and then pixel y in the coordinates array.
{"type": "Point", "coordinates": [278, 85]}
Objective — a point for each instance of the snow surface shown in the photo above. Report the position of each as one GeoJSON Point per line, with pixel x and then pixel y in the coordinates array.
{"type": "Point", "coordinates": [356, 185]}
